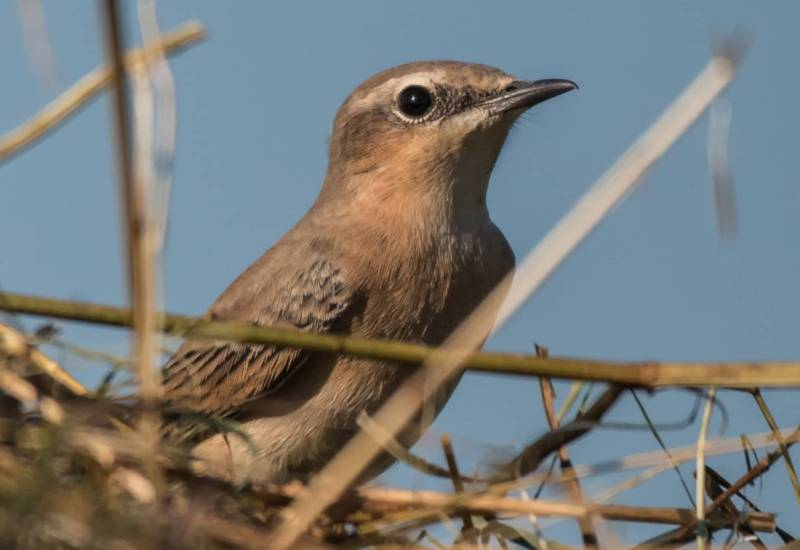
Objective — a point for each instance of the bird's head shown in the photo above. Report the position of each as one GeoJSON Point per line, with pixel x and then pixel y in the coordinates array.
{"type": "Point", "coordinates": [429, 129]}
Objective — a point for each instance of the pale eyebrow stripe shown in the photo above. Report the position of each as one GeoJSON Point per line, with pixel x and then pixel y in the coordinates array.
{"type": "Point", "coordinates": [422, 78]}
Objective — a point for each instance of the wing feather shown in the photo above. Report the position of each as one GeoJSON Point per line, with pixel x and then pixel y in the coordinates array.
{"type": "Point", "coordinates": [217, 378]}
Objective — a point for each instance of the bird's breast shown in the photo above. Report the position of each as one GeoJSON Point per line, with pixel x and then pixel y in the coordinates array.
{"type": "Point", "coordinates": [422, 293]}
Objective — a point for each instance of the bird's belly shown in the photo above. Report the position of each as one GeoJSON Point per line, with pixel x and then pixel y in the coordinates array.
{"type": "Point", "coordinates": [296, 444]}
{"type": "Point", "coordinates": [330, 419]}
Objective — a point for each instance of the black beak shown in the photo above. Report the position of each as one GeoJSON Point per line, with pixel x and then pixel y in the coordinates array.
{"type": "Point", "coordinates": [524, 95]}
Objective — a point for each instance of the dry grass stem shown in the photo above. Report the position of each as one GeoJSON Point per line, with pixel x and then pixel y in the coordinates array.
{"type": "Point", "coordinates": [532, 456]}
{"type": "Point", "coordinates": [569, 402]}
{"type": "Point", "coordinates": [391, 445]}
{"type": "Point", "coordinates": [619, 180]}
{"type": "Point", "coordinates": [648, 374]}
{"type": "Point", "coordinates": [135, 222]}
{"type": "Point", "coordinates": [548, 398]}
{"type": "Point", "coordinates": [14, 343]}
{"type": "Point", "coordinates": [681, 535]}
{"type": "Point", "coordinates": [773, 425]}
{"type": "Point", "coordinates": [661, 443]}
{"type": "Point", "coordinates": [678, 455]}
{"type": "Point", "coordinates": [380, 498]}
{"type": "Point", "coordinates": [458, 486]}
{"type": "Point", "coordinates": [700, 473]}
{"type": "Point", "coordinates": [84, 90]}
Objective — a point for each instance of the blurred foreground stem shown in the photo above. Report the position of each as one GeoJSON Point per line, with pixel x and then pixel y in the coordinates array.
{"type": "Point", "coordinates": [645, 374]}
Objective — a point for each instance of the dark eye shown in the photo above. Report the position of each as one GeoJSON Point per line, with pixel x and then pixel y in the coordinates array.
{"type": "Point", "coordinates": [414, 101]}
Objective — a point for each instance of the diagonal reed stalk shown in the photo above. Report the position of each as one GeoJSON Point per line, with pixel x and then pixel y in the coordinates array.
{"type": "Point", "coordinates": [773, 425]}
{"type": "Point", "coordinates": [661, 443]}
{"type": "Point", "coordinates": [79, 94]}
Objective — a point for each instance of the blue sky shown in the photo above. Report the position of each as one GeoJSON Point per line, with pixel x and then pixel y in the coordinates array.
{"type": "Point", "coordinates": [255, 105]}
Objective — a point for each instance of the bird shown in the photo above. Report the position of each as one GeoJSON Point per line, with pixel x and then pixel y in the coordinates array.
{"type": "Point", "coordinates": [398, 245]}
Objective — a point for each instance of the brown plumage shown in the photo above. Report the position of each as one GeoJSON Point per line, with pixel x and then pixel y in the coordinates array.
{"type": "Point", "coordinates": [399, 244]}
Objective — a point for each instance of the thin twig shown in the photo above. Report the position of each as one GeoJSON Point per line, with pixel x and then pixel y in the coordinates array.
{"type": "Point", "coordinates": [762, 406]}
{"type": "Point", "coordinates": [715, 484]}
{"type": "Point", "coordinates": [532, 456]}
{"type": "Point", "coordinates": [647, 374]}
{"type": "Point", "coordinates": [572, 396]}
{"type": "Point", "coordinates": [16, 343]}
{"type": "Point", "coordinates": [700, 487]}
{"type": "Point", "coordinates": [548, 396]}
{"type": "Point", "coordinates": [60, 109]}
{"type": "Point", "coordinates": [89, 354]}
{"type": "Point", "coordinates": [379, 498]}
{"type": "Point", "coordinates": [392, 446]}
{"type": "Point", "coordinates": [631, 483]}
{"type": "Point", "coordinates": [651, 458]}
{"type": "Point", "coordinates": [458, 486]}
{"type": "Point", "coordinates": [662, 445]}
{"type": "Point", "coordinates": [683, 534]}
